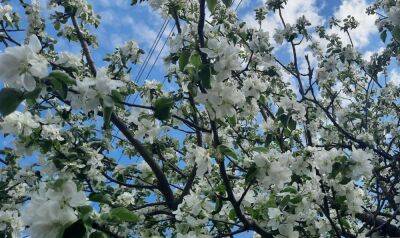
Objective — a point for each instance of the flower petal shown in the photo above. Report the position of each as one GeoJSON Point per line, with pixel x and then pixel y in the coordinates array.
{"type": "Point", "coordinates": [34, 43]}
{"type": "Point", "coordinates": [28, 82]}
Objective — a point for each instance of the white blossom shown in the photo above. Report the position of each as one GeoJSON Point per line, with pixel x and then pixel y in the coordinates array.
{"type": "Point", "coordinates": [200, 157]}
{"type": "Point", "coordinates": [126, 198]}
{"type": "Point", "coordinates": [394, 15]}
{"type": "Point", "coordinates": [324, 160]}
{"type": "Point", "coordinates": [363, 166]}
{"type": "Point", "coordinates": [286, 230]}
{"type": "Point", "coordinates": [51, 132]}
{"type": "Point", "coordinates": [278, 174]}
{"type": "Point", "coordinates": [274, 215]}
{"type": "Point", "coordinates": [222, 98]}
{"type": "Point", "coordinates": [253, 87]}
{"type": "Point", "coordinates": [279, 36]}
{"type": "Point", "coordinates": [322, 75]}
{"type": "Point", "coordinates": [67, 59]}
{"type": "Point", "coordinates": [148, 128]}
{"type": "Point", "coordinates": [349, 53]}
{"type": "Point", "coordinates": [13, 218]}
{"type": "Point", "coordinates": [50, 210]}
{"type": "Point", "coordinates": [5, 11]}
{"type": "Point", "coordinates": [20, 65]}
{"type": "Point", "coordinates": [226, 54]}
{"type": "Point", "coordinates": [92, 91]}
{"type": "Point", "coordinates": [19, 123]}
{"type": "Point", "coordinates": [131, 50]}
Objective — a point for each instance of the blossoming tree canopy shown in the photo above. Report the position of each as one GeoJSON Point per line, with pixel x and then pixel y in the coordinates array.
{"type": "Point", "coordinates": [284, 133]}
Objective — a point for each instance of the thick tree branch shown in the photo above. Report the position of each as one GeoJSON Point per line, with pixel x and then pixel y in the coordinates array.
{"type": "Point", "coordinates": [163, 184]}
{"type": "Point", "coordinates": [84, 45]}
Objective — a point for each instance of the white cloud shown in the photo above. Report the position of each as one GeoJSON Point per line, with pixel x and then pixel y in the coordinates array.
{"type": "Point", "coordinates": [144, 33]}
{"type": "Point", "coordinates": [107, 17]}
{"type": "Point", "coordinates": [105, 3]}
{"type": "Point", "coordinates": [117, 40]}
{"type": "Point", "coordinates": [65, 45]}
{"type": "Point", "coordinates": [127, 20]}
{"type": "Point", "coordinates": [245, 4]}
{"type": "Point", "coordinates": [295, 9]}
{"type": "Point", "coordinates": [292, 11]}
{"type": "Point", "coordinates": [395, 78]}
{"type": "Point", "coordinates": [367, 55]}
{"type": "Point", "coordinates": [114, 3]}
{"type": "Point", "coordinates": [362, 35]}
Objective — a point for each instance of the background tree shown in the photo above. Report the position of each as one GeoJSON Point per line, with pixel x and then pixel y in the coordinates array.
{"type": "Point", "coordinates": [231, 148]}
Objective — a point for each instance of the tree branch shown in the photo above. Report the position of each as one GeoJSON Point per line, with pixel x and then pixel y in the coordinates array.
{"type": "Point", "coordinates": [163, 184]}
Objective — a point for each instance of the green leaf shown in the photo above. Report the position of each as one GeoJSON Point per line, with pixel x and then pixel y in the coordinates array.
{"type": "Point", "coordinates": [9, 100]}
{"type": "Point", "coordinates": [76, 230]}
{"type": "Point", "coordinates": [261, 149]}
{"type": "Point", "coordinates": [290, 189]}
{"type": "Point", "coordinates": [183, 59]}
{"type": "Point", "coordinates": [227, 3]}
{"type": "Point", "coordinates": [384, 35]}
{"type": "Point", "coordinates": [57, 26]}
{"type": "Point", "coordinates": [340, 203]}
{"type": "Point", "coordinates": [60, 87]}
{"type": "Point", "coordinates": [59, 183]}
{"type": "Point", "coordinates": [98, 197]}
{"type": "Point", "coordinates": [163, 108]}
{"type": "Point", "coordinates": [227, 151]}
{"type": "Point", "coordinates": [284, 119]}
{"type": "Point", "coordinates": [280, 112]}
{"type": "Point", "coordinates": [292, 124]}
{"type": "Point", "coordinates": [85, 210]}
{"type": "Point", "coordinates": [32, 95]}
{"type": "Point", "coordinates": [123, 214]}
{"type": "Point", "coordinates": [211, 4]}
{"type": "Point", "coordinates": [108, 108]}
{"type": "Point", "coordinates": [205, 76]}
{"type": "Point", "coordinates": [396, 33]}
{"type": "Point", "coordinates": [251, 173]}
{"type": "Point", "coordinates": [218, 206]}
{"type": "Point", "coordinates": [231, 120]}
{"type": "Point", "coordinates": [292, 37]}
{"type": "Point", "coordinates": [285, 201]}
{"type": "Point", "coordinates": [56, 161]}
{"type": "Point", "coordinates": [272, 201]}
{"type": "Point", "coordinates": [107, 112]}
{"type": "Point", "coordinates": [61, 76]}
{"type": "Point", "coordinates": [344, 223]}
{"type": "Point", "coordinates": [232, 214]}
{"type": "Point", "coordinates": [296, 200]}
{"type": "Point", "coordinates": [98, 234]}
{"type": "Point", "coordinates": [345, 180]}
{"type": "Point", "coordinates": [263, 99]}
{"type": "Point", "coordinates": [60, 82]}
{"type": "Point", "coordinates": [195, 60]}
{"type": "Point", "coordinates": [117, 96]}
{"type": "Point", "coordinates": [269, 138]}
